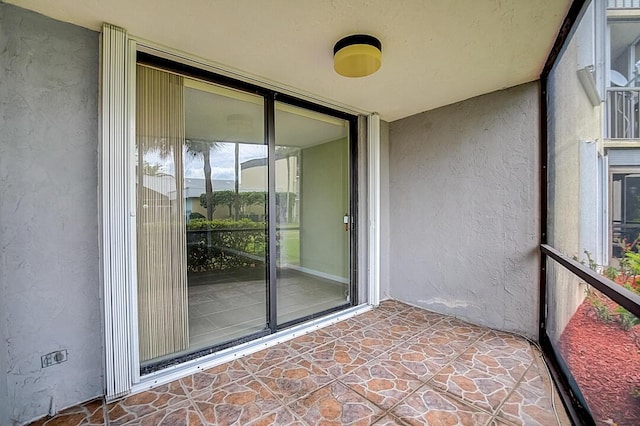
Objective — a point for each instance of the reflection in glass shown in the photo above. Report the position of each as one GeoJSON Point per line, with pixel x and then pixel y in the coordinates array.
{"type": "Point", "coordinates": [226, 210]}
{"type": "Point", "coordinates": [312, 202]}
{"type": "Point", "coordinates": [201, 212]}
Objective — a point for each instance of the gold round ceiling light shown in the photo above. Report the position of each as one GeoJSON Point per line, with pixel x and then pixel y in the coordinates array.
{"type": "Point", "coordinates": [357, 55]}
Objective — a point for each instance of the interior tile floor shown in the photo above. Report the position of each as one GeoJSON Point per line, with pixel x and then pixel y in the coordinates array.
{"type": "Point", "coordinates": [393, 365]}
{"type": "Point", "coordinates": [223, 307]}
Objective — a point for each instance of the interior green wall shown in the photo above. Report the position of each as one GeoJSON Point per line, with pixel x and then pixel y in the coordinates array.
{"type": "Point", "coordinates": [324, 244]}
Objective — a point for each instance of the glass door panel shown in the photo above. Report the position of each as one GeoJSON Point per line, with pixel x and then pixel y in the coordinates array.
{"type": "Point", "coordinates": [225, 200]}
{"type": "Point", "coordinates": [312, 212]}
{"type": "Point", "coordinates": [201, 215]}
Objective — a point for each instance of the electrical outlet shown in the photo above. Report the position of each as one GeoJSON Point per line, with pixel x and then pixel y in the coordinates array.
{"type": "Point", "coordinates": [54, 358]}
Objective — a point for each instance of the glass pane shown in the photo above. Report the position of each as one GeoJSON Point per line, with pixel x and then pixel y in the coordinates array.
{"type": "Point", "coordinates": [206, 162]}
{"type": "Point", "coordinates": [312, 206]}
{"type": "Point", "coordinates": [225, 197]}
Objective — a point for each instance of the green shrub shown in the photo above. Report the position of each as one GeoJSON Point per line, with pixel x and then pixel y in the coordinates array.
{"type": "Point", "coordinates": [626, 319]}
{"type": "Point", "coordinates": [611, 273]}
{"type": "Point", "coordinates": [603, 313]}
{"type": "Point", "coordinates": [632, 261]}
{"type": "Point", "coordinates": [225, 244]}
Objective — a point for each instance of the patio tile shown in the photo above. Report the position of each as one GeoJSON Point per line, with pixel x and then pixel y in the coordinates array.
{"type": "Point", "coordinates": [430, 407]}
{"type": "Point", "coordinates": [392, 307]}
{"type": "Point", "coordinates": [181, 414]}
{"type": "Point", "coordinates": [419, 316]}
{"type": "Point", "coordinates": [135, 407]}
{"type": "Point", "coordinates": [339, 357]}
{"type": "Point", "coordinates": [476, 387]}
{"type": "Point", "coordinates": [497, 421]}
{"type": "Point", "coordinates": [393, 365]}
{"type": "Point", "coordinates": [385, 383]}
{"type": "Point", "coordinates": [508, 343]}
{"type": "Point", "coordinates": [343, 328]}
{"type": "Point", "coordinates": [401, 330]}
{"type": "Point", "coordinates": [422, 362]}
{"type": "Point", "coordinates": [436, 347]}
{"type": "Point", "coordinates": [215, 377]}
{"type": "Point", "coordinates": [294, 379]}
{"type": "Point", "coordinates": [372, 317]}
{"type": "Point", "coordinates": [89, 414]}
{"type": "Point", "coordinates": [453, 339]}
{"type": "Point", "coordinates": [310, 341]}
{"type": "Point", "coordinates": [236, 403]}
{"type": "Point", "coordinates": [269, 357]}
{"type": "Point", "coordinates": [530, 402]}
{"type": "Point", "coordinates": [280, 417]}
{"type": "Point", "coordinates": [372, 341]}
{"type": "Point", "coordinates": [460, 327]}
{"type": "Point", "coordinates": [336, 404]}
{"type": "Point", "coordinates": [390, 420]}
{"type": "Point", "coordinates": [504, 361]}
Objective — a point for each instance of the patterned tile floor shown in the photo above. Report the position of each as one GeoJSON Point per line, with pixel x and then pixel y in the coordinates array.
{"type": "Point", "coordinates": [394, 365]}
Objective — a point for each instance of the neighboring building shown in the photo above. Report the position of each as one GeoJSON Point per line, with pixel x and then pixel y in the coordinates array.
{"type": "Point", "coordinates": [621, 124]}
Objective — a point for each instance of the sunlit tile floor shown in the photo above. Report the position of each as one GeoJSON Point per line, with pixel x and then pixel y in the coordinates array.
{"type": "Point", "coordinates": [394, 365]}
{"type": "Point", "coordinates": [224, 307]}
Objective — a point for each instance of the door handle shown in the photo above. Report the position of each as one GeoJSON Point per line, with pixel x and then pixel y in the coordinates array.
{"type": "Point", "coordinates": [345, 220]}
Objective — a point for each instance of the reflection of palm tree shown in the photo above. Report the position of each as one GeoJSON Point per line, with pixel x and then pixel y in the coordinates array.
{"type": "Point", "coordinates": [150, 169]}
{"type": "Point", "coordinates": [201, 147]}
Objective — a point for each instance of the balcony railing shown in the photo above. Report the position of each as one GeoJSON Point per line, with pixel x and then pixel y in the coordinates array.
{"type": "Point", "coordinates": [622, 113]}
{"type": "Point", "coordinates": [623, 4]}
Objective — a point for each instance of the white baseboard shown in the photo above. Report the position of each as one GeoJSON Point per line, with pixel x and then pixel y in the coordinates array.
{"type": "Point", "coordinates": [315, 273]}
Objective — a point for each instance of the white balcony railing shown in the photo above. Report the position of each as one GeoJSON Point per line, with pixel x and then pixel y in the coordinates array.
{"type": "Point", "coordinates": [623, 4]}
{"type": "Point", "coordinates": [622, 113]}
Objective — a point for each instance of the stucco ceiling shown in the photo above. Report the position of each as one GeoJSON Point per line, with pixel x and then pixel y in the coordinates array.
{"type": "Point", "coordinates": [435, 52]}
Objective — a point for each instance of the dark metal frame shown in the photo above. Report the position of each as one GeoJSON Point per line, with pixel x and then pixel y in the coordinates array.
{"type": "Point", "coordinates": [270, 97]}
{"type": "Point", "coordinates": [575, 410]}
{"type": "Point", "coordinates": [568, 390]}
{"type": "Point", "coordinates": [623, 297]}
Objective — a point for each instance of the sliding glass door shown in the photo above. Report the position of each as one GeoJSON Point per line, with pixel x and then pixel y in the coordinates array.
{"type": "Point", "coordinates": [210, 273]}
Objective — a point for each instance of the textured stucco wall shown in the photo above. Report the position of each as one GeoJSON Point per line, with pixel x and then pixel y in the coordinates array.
{"type": "Point", "coordinates": [48, 212]}
{"type": "Point", "coordinates": [4, 395]}
{"type": "Point", "coordinates": [464, 202]}
{"type": "Point", "coordinates": [573, 119]}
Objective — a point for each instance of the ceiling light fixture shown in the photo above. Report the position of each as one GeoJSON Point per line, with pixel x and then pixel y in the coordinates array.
{"type": "Point", "coordinates": [357, 55]}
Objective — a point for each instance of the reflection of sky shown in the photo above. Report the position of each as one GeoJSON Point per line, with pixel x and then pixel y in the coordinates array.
{"type": "Point", "coordinates": [222, 160]}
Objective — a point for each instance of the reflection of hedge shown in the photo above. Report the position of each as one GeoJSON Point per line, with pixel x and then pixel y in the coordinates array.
{"type": "Point", "coordinates": [225, 244]}
{"type": "Point", "coordinates": [246, 200]}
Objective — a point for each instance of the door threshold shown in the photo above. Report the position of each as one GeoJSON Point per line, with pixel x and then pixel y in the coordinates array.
{"type": "Point", "coordinates": [206, 362]}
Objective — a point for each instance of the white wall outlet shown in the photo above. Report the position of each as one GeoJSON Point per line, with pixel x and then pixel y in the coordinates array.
{"type": "Point", "coordinates": [53, 358]}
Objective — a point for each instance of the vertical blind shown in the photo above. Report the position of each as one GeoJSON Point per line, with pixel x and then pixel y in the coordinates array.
{"type": "Point", "coordinates": [162, 268]}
